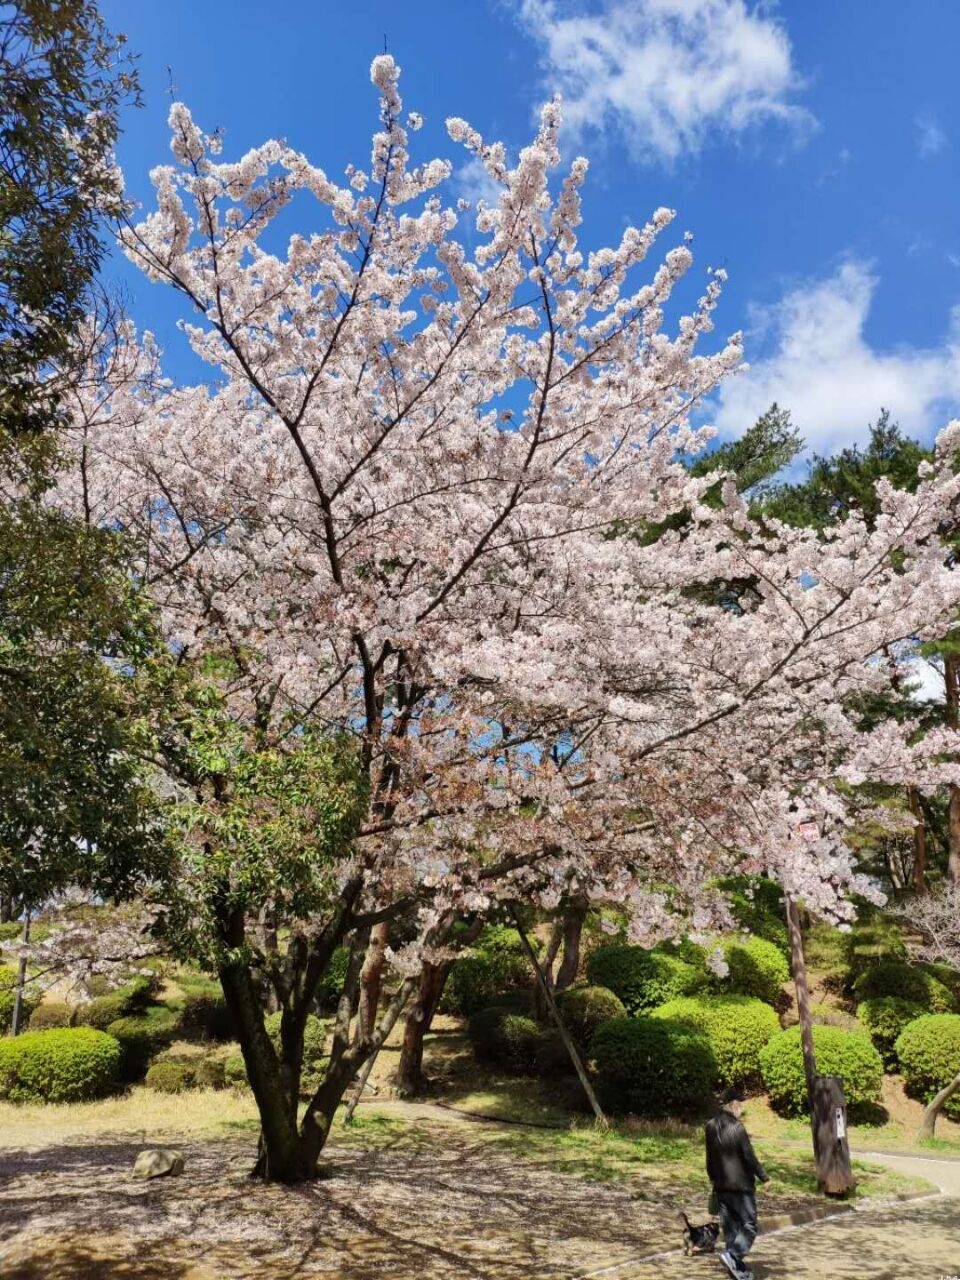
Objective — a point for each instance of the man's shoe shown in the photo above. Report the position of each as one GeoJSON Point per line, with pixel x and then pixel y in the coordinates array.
{"type": "Point", "coordinates": [730, 1262]}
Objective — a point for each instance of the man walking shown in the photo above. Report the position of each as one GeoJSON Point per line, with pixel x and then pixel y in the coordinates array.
{"type": "Point", "coordinates": [734, 1171]}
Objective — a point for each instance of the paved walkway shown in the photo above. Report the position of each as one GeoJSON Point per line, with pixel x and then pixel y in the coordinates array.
{"type": "Point", "coordinates": [919, 1239]}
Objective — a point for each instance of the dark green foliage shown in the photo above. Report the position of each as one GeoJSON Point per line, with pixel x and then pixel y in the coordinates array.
{"type": "Point", "coordinates": [928, 1050]}
{"type": "Point", "coordinates": [8, 984]}
{"type": "Point", "coordinates": [584, 1009]}
{"type": "Point", "coordinates": [11, 931]}
{"type": "Point", "coordinates": [946, 974]}
{"type": "Point", "coordinates": [894, 978]}
{"type": "Point", "coordinates": [550, 1054]}
{"type": "Point", "coordinates": [885, 1017]}
{"type": "Point", "coordinates": [70, 1064]}
{"type": "Point", "coordinates": [235, 1072]}
{"type": "Point", "coordinates": [643, 979]}
{"type": "Point", "coordinates": [505, 1040]}
{"type": "Point", "coordinates": [133, 997]}
{"type": "Point", "coordinates": [141, 1037]}
{"type": "Point", "coordinates": [650, 1066]}
{"type": "Point", "coordinates": [206, 1017]}
{"type": "Point", "coordinates": [737, 1027]}
{"type": "Point", "coordinates": [316, 1034]}
{"type": "Point", "coordinates": [50, 1014]}
{"type": "Point", "coordinates": [847, 1054]}
{"type": "Point", "coordinates": [173, 1075]}
{"type": "Point", "coordinates": [498, 963]}
{"type": "Point", "coordinates": [757, 968]}
{"type": "Point", "coordinates": [331, 984]}
{"type": "Point", "coordinates": [756, 903]}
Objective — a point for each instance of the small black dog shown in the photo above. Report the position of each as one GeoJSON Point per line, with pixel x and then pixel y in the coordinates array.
{"type": "Point", "coordinates": [701, 1239]}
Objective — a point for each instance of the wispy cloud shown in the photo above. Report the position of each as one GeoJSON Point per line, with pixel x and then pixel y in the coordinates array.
{"type": "Point", "coordinates": [931, 138]}
{"type": "Point", "coordinates": [822, 368]}
{"type": "Point", "coordinates": [668, 74]}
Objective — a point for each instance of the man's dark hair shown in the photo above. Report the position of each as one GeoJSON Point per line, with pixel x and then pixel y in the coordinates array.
{"type": "Point", "coordinates": [733, 1093]}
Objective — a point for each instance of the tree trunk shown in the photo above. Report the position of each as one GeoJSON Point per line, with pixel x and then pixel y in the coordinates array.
{"type": "Point", "coordinates": [371, 977]}
{"type": "Point", "coordinates": [951, 674]}
{"type": "Point", "coordinates": [936, 1105]}
{"type": "Point", "coordinates": [6, 908]}
{"type": "Point", "coordinates": [279, 1158]}
{"type": "Point", "coordinates": [919, 842]}
{"type": "Point", "coordinates": [798, 966]}
{"type": "Point", "coordinates": [21, 981]}
{"type": "Point", "coordinates": [410, 1081]}
{"type": "Point", "coordinates": [573, 921]}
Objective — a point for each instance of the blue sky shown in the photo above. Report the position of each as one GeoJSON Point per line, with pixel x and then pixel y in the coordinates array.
{"type": "Point", "coordinates": [810, 146]}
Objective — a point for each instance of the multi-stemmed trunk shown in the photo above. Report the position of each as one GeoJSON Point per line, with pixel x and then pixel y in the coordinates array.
{"type": "Point", "coordinates": [410, 1080]}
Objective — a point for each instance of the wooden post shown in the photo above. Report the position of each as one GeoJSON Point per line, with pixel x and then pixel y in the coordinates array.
{"type": "Point", "coordinates": [21, 980]}
{"type": "Point", "coordinates": [828, 1111]}
{"type": "Point", "coordinates": [570, 1047]}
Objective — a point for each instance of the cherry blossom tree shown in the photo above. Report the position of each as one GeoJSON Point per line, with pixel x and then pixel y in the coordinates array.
{"type": "Point", "coordinates": [423, 511]}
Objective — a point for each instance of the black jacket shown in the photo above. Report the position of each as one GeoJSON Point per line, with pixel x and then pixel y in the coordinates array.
{"type": "Point", "coordinates": [731, 1163]}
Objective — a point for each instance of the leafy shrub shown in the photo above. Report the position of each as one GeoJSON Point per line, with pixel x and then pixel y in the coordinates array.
{"type": "Point", "coordinates": [584, 1009]}
{"type": "Point", "coordinates": [133, 997]}
{"type": "Point", "coordinates": [11, 931]}
{"type": "Point", "coordinates": [9, 977]}
{"type": "Point", "coordinates": [849, 1055]}
{"type": "Point", "coordinates": [550, 1054]}
{"type": "Point", "coordinates": [173, 1075]}
{"type": "Point", "coordinates": [873, 939]}
{"type": "Point", "coordinates": [643, 979]}
{"type": "Point", "coordinates": [330, 987]}
{"type": "Point", "coordinates": [497, 964]}
{"type": "Point", "coordinates": [315, 1035]}
{"type": "Point", "coordinates": [67, 1064]}
{"type": "Point", "coordinates": [503, 1039]}
{"type": "Point", "coordinates": [141, 1037]}
{"type": "Point", "coordinates": [756, 903]}
{"type": "Point", "coordinates": [946, 974]}
{"type": "Point", "coordinates": [652, 1066]}
{"type": "Point", "coordinates": [894, 978]}
{"type": "Point", "coordinates": [210, 1073]}
{"type": "Point", "coordinates": [828, 1015]}
{"type": "Point", "coordinates": [52, 1013]}
{"type": "Point", "coordinates": [757, 968]}
{"type": "Point", "coordinates": [736, 1026]}
{"type": "Point", "coordinates": [235, 1072]}
{"type": "Point", "coordinates": [929, 1053]}
{"type": "Point", "coordinates": [206, 1017]}
{"type": "Point", "coordinates": [885, 1017]}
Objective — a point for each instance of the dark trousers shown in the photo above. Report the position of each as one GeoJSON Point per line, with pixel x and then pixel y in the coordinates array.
{"type": "Point", "coordinates": [738, 1217]}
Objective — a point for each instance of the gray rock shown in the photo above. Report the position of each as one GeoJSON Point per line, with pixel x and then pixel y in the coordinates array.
{"type": "Point", "coordinates": [158, 1163]}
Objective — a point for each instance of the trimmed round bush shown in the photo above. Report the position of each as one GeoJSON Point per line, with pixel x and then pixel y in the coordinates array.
{"type": "Point", "coordinates": [643, 979]}
{"type": "Point", "coordinates": [235, 1072]}
{"type": "Point", "coordinates": [65, 1064]}
{"type": "Point", "coordinates": [505, 1040]}
{"type": "Point", "coordinates": [173, 1075]}
{"type": "Point", "coordinates": [885, 1017]}
{"type": "Point", "coordinates": [584, 1009]}
{"type": "Point", "coordinates": [550, 1054]}
{"type": "Point", "coordinates": [210, 1074]}
{"type": "Point", "coordinates": [757, 968]}
{"type": "Point", "coordinates": [206, 1017]}
{"type": "Point", "coordinates": [847, 1054]}
{"type": "Point", "coordinates": [928, 1050]}
{"type": "Point", "coordinates": [653, 1067]}
{"type": "Point", "coordinates": [945, 974]}
{"type": "Point", "coordinates": [141, 1037]}
{"type": "Point", "coordinates": [497, 965]}
{"type": "Point", "coordinates": [828, 1015]}
{"type": "Point", "coordinates": [50, 1014]}
{"type": "Point", "coordinates": [133, 997]}
{"type": "Point", "coordinates": [736, 1026]}
{"type": "Point", "coordinates": [908, 982]}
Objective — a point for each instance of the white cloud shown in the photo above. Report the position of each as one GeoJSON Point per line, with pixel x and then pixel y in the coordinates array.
{"type": "Point", "coordinates": [473, 183]}
{"type": "Point", "coordinates": [931, 138]}
{"type": "Point", "coordinates": [667, 73]}
{"type": "Point", "coordinates": [826, 373]}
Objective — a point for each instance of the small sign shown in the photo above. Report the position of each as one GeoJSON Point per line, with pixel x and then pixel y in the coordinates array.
{"type": "Point", "coordinates": [841, 1125]}
{"type": "Point", "coordinates": [809, 830]}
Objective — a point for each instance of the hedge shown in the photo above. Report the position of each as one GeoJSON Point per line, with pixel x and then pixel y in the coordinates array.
{"type": "Point", "coordinates": [848, 1054]}
{"type": "Point", "coordinates": [505, 1040]}
{"type": "Point", "coordinates": [929, 1053]}
{"type": "Point", "coordinates": [584, 1009]}
{"type": "Point", "coordinates": [894, 978]}
{"type": "Point", "coordinates": [756, 968]}
{"type": "Point", "coordinates": [51, 1013]}
{"type": "Point", "coordinates": [206, 1017]}
{"type": "Point", "coordinates": [172, 1075]}
{"type": "Point", "coordinates": [68, 1064]}
{"type": "Point", "coordinates": [141, 1037]}
{"type": "Point", "coordinates": [497, 963]}
{"type": "Point", "coordinates": [643, 979]}
{"type": "Point", "coordinates": [736, 1026]}
{"type": "Point", "coordinates": [885, 1017]}
{"type": "Point", "coordinates": [652, 1066]}
{"type": "Point", "coordinates": [132, 997]}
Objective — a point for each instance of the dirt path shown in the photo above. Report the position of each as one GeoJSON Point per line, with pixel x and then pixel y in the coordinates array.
{"type": "Point", "coordinates": [919, 1239]}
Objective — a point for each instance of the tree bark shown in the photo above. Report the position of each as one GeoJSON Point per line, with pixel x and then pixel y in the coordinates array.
{"type": "Point", "coordinates": [21, 980]}
{"type": "Point", "coordinates": [919, 842]}
{"type": "Point", "coordinates": [371, 978]}
{"type": "Point", "coordinates": [951, 674]}
{"type": "Point", "coordinates": [574, 917]}
{"type": "Point", "coordinates": [410, 1081]}
{"type": "Point", "coordinates": [935, 1106]}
